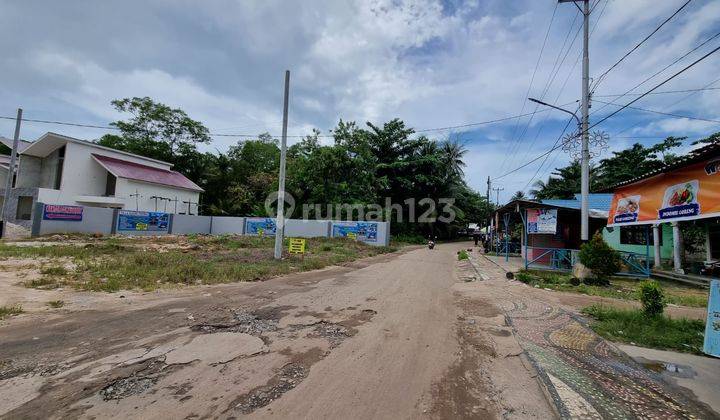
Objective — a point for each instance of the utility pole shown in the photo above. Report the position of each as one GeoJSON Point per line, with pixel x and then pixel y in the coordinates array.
{"type": "Point", "coordinates": [280, 220]}
{"type": "Point", "coordinates": [585, 107]}
{"type": "Point", "coordinates": [497, 196]}
{"type": "Point", "coordinates": [11, 169]}
{"type": "Point", "coordinates": [136, 195]}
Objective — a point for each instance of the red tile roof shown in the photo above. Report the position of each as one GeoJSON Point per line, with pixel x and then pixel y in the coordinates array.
{"type": "Point", "coordinates": [131, 170]}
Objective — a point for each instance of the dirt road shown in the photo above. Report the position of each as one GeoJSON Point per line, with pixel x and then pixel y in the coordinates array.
{"type": "Point", "coordinates": [395, 336]}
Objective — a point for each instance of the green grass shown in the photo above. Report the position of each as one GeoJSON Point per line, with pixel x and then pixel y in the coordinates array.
{"type": "Point", "coordinates": [6, 311]}
{"type": "Point", "coordinates": [620, 288]}
{"type": "Point", "coordinates": [55, 270]}
{"type": "Point", "coordinates": [56, 303]}
{"type": "Point", "coordinates": [150, 263]}
{"type": "Point", "coordinates": [633, 326]}
{"type": "Point", "coordinates": [463, 255]}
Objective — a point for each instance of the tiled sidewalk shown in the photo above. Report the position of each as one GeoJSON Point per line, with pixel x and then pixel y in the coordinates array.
{"type": "Point", "coordinates": [586, 376]}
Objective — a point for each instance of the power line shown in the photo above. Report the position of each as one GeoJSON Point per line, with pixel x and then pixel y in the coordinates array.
{"type": "Point", "coordinates": [548, 155]}
{"type": "Point", "coordinates": [656, 87]}
{"type": "Point", "coordinates": [663, 113]}
{"type": "Point", "coordinates": [622, 107]}
{"type": "Point", "coordinates": [562, 88]}
{"type": "Point", "coordinates": [602, 76]}
{"type": "Point", "coordinates": [686, 97]}
{"type": "Point", "coordinates": [425, 130]}
{"type": "Point", "coordinates": [532, 81]}
{"type": "Point", "coordinates": [665, 92]}
{"type": "Point", "coordinates": [697, 47]}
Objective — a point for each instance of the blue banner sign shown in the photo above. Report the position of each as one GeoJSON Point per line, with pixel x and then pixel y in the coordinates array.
{"type": "Point", "coordinates": [362, 231]}
{"type": "Point", "coordinates": [61, 212]}
{"type": "Point", "coordinates": [151, 221]}
{"type": "Point", "coordinates": [712, 327]}
{"type": "Point", "coordinates": [263, 226]}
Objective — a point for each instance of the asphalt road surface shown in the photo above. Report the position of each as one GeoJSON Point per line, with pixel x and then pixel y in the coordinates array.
{"type": "Point", "coordinates": [394, 336]}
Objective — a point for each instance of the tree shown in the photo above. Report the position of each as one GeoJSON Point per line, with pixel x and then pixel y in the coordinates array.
{"type": "Point", "coordinates": [519, 195]}
{"type": "Point", "coordinates": [563, 183]}
{"type": "Point", "coordinates": [158, 131]}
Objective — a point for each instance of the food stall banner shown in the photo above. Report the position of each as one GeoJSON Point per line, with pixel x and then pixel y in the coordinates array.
{"type": "Point", "coordinates": [542, 221]}
{"type": "Point", "coordinates": [688, 193]}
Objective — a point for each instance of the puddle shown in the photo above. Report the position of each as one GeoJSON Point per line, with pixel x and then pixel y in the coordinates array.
{"type": "Point", "coordinates": [668, 368]}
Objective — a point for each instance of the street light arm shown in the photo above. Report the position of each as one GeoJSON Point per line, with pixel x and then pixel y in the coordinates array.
{"type": "Point", "coordinates": [537, 101]}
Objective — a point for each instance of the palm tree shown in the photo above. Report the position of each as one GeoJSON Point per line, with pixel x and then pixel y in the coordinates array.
{"type": "Point", "coordinates": [539, 188]}
{"type": "Point", "coordinates": [519, 195]}
{"type": "Point", "coordinates": [453, 152]}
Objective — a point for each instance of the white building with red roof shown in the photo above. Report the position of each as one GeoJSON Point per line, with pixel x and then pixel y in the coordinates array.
{"type": "Point", "coordinates": [57, 169]}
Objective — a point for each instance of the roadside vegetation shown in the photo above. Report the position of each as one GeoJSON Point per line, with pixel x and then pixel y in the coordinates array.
{"type": "Point", "coordinates": [634, 326]}
{"type": "Point", "coordinates": [6, 311]}
{"type": "Point", "coordinates": [112, 264]}
{"type": "Point", "coordinates": [463, 255]}
{"type": "Point", "coordinates": [619, 288]}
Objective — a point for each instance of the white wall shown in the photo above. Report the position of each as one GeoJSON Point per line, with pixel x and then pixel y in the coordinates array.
{"type": "Point", "coordinates": [224, 225]}
{"type": "Point", "coordinates": [126, 187]}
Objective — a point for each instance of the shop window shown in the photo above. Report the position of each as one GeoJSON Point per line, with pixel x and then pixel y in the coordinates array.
{"type": "Point", "coordinates": [24, 208]}
{"type": "Point", "coordinates": [635, 235]}
{"type": "Point", "coordinates": [110, 184]}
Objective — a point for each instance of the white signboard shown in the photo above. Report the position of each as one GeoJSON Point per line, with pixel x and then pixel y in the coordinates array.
{"type": "Point", "coordinates": [542, 221]}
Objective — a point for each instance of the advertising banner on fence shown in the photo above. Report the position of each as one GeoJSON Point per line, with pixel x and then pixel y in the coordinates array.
{"type": "Point", "coordinates": [60, 212]}
{"type": "Point", "coordinates": [362, 231]}
{"type": "Point", "coordinates": [151, 221]}
{"type": "Point", "coordinates": [542, 221]}
{"type": "Point", "coordinates": [264, 226]}
{"type": "Point", "coordinates": [687, 193]}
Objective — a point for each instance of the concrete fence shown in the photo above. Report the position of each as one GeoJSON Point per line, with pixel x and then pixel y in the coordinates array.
{"type": "Point", "coordinates": [51, 218]}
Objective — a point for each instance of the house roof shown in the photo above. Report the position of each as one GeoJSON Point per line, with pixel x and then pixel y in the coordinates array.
{"type": "Point", "coordinates": [22, 144]}
{"type": "Point", "coordinates": [595, 202]}
{"type": "Point", "coordinates": [598, 204]}
{"type": "Point", "coordinates": [51, 141]}
{"type": "Point", "coordinates": [694, 156]}
{"type": "Point", "coordinates": [135, 171]}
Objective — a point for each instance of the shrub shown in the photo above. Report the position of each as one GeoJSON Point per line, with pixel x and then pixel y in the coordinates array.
{"type": "Point", "coordinates": [463, 255]}
{"type": "Point", "coordinates": [599, 257]}
{"type": "Point", "coordinates": [652, 298]}
{"type": "Point", "coordinates": [575, 281]}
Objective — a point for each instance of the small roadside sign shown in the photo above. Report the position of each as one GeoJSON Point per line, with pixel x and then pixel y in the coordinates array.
{"type": "Point", "coordinates": [352, 235]}
{"type": "Point", "coordinates": [297, 246]}
{"type": "Point", "coordinates": [712, 326]}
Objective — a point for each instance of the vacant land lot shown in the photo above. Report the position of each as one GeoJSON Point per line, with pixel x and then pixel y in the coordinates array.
{"type": "Point", "coordinates": [145, 263]}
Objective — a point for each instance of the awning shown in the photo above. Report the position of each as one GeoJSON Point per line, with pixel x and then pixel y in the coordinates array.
{"type": "Point", "coordinates": [135, 171]}
{"type": "Point", "coordinates": [687, 193]}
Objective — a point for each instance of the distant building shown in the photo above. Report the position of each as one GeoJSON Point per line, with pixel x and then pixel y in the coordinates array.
{"type": "Point", "coordinates": [57, 169]}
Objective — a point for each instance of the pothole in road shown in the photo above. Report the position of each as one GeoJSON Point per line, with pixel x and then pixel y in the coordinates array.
{"type": "Point", "coordinates": [334, 333]}
{"type": "Point", "coordinates": [137, 383]}
{"type": "Point", "coordinates": [252, 323]}
{"type": "Point", "coordinates": [288, 378]}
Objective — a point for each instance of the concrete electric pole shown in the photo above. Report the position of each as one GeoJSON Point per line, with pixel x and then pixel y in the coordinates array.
{"type": "Point", "coordinates": [497, 196]}
{"type": "Point", "coordinates": [11, 169]}
{"type": "Point", "coordinates": [280, 220]}
{"type": "Point", "coordinates": [585, 149]}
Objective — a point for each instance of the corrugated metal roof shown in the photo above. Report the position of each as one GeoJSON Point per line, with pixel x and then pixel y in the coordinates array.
{"type": "Point", "coordinates": [131, 170]}
{"type": "Point", "coordinates": [595, 202]}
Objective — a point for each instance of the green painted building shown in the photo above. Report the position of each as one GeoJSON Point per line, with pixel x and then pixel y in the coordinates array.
{"type": "Point", "coordinates": [632, 239]}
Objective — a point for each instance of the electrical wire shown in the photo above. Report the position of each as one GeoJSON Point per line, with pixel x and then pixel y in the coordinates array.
{"type": "Point", "coordinates": [617, 111]}
{"type": "Point", "coordinates": [665, 92]}
{"type": "Point", "coordinates": [602, 76]}
{"type": "Point", "coordinates": [532, 81]}
{"type": "Point", "coordinates": [663, 113]}
{"type": "Point", "coordinates": [627, 93]}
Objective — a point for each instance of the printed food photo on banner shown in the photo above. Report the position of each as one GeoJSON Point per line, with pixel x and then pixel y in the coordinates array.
{"type": "Point", "coordinates": [627, 209]}
{"type": "Point", "coordinates": [680, 200]}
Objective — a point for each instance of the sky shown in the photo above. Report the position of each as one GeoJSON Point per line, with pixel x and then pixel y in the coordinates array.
{"type": "Point", "coordinates": [433, 64]}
